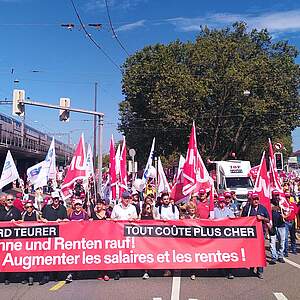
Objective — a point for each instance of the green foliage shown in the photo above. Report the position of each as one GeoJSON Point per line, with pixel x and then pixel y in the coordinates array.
{"type": "Point", "coordinates": [166, 87]}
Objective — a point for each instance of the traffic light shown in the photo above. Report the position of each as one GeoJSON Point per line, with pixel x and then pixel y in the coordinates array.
{"type": "Point", "coordinates": [279, 160]}
{"type": "Point", "coordinates": [18, 108]}
{"type": "Point", "coordinates": [64, 114]}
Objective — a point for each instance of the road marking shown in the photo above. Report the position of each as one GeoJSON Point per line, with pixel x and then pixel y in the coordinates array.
{"type": "Point", "coordinates": [193, 299]}
{"type": "Point", "coordinates": [57, 286]}
{"type": "Point", "coordinates": [292, 263]}
{"type": "Point", "coordinates": [280, 296]}
{"type": "Point", "coordinates": [157, 298]}
{"type": "Point", "coordinates": [175, 288]}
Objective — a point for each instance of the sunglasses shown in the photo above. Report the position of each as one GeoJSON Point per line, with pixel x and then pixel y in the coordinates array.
{"type": "Point", "coordinates": [9, 199]}
{"type": "Point", "coordinates": [28, 206]}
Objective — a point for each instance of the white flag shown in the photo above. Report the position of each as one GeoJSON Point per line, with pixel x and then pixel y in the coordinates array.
{"type": "Point", "coordinates": [163, 184]}
{"type": "Point", "coordinates": [9, 172]}
{"type": "Point", "coordinates": [149, 163]}
{"type": "Point", "coordinates": [89, 162]}
{"type": "Point", "coordinates": [39, 174]}
{"type": "Point", "coordinates": [50, 161]}
{"type": "Point", "coordinates": [34, 171]}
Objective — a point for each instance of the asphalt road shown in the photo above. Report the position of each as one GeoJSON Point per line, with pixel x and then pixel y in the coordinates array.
{"type": "Point", "coordinates": [281, 281]}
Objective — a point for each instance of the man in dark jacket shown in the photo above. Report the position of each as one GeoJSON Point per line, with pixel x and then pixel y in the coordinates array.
{"type": "Point", "coordinates": [9, 213]}
{"type": "Point", "coordinates": [255, 209]}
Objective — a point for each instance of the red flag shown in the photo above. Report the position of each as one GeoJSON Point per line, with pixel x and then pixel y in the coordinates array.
{"type": "Point", "coordinates": [112, 168]}
{"type": "Point", "coordinates": [275, 182]}
{"type": "Point", "coordinates": [189, 168]}
{"type": "Point", "coordinates": [123, 168]}
{"type": "Point", "coordinates": [204, 181]}
{"type": "Point", "coordinates": [176, 191]}
{"type": "Point", "coordinates": [262, 185]}
{"type": "Point", "coordinates": [253, 173]}
{"type": "Point", "coordinates": [77, 169]}
{"type": "Point", "coordinates": [195, 174]}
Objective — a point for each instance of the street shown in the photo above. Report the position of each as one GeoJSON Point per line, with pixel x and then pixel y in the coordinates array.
{"type": "Point", "coordinates": [280, 282]}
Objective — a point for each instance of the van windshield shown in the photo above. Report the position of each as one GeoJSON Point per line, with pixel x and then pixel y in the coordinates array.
{"type": "Point", "coordinates": [238, 182]}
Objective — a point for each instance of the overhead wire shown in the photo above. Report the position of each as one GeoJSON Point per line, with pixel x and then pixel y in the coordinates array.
{"type": "Point", "coordinates": [113, 30]}
{"type": "Point", "coordinates": [93, 40]}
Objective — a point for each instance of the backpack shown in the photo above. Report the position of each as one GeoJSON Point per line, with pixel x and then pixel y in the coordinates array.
{"type": "Point", "coordinates": [173, 209]}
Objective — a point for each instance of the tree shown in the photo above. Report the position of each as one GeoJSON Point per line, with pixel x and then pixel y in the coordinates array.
{"type": "Point", "coordinates": [166, 87]}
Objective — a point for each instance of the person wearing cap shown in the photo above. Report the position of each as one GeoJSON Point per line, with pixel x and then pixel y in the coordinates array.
{"type": "Point", "coordinates": [202, 205]}
{"type": "Point", "coordinates": [277, 231]}
{"type": "Point", "coordinates": [222, 210]}
{"type": "Point", "coordinates": [290, 226]}
{"type": "Point", "coordinates": [53, 212]}
{"type": "Point", "coordinates": [56, 211]}
{"type": "Point", "coordinates": [124, 210]}
{"type": "Point", "coordinates": [78, 213]}
{"type": "Point", "coordinates": [254, 208]}
{"type": "Point", "coordinates": [230, 204]}
{"type": "Point", "coordinates": [99, 212]}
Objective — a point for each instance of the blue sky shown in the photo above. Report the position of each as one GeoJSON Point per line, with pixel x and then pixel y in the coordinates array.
{"type": "Point", "coordinates": [51, 61]}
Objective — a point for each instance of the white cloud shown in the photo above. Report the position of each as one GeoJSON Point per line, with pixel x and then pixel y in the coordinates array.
{"type": "Point", "coordinates": [275, 22]}
{"type": "Point", "coordinates": [130, 26]}
{"type": "Point", "coordinates": [112, 4]}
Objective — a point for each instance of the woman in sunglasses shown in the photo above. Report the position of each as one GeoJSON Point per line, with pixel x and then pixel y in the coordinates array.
{"type": "Point", "coordinates": [30, 213]}
{"type": "Point", "coordinates": [147, 214]}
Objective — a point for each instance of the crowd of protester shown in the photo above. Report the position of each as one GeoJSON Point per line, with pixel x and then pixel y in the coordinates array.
{"type": "Point", "coordinates": [135, 205]}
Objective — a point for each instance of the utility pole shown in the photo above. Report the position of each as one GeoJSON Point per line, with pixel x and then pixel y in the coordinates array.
{"type": "Point", "coordinates": [95, 124]}
{"type": "Point", "coordinates": [100, 138]}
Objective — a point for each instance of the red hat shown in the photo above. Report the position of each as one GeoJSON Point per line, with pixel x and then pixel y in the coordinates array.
{"type": "Point", "coordinates": [275, 192]}
{"type": "Point", "coordinates": [250, 194]}
{"type": "Point", "coordinates": [202, 192]}
{"type": "Point", "coordinates": [255, 195]}
{"type": "Point", "coordinates": [221, 198]}
{"type": "Point", "coordinates": [77, 201]}
{"type": "Point", "coordinates": [287, 194]}
{"type": "Point", "coordinates": [29, 201]}
{"type": "Point", "coordinates": [227, 194]}
{"type": "Point", "coordinates": [19, 195]}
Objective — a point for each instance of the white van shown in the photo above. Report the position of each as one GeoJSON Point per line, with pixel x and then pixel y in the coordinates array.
{"type": "Point", "coordinates": [232, 175]}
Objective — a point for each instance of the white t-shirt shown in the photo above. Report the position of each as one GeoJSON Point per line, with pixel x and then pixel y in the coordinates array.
{"type": "Point", "coordinates": [121, 212]}
{"type": "Point", "coordinates": [167, 212]}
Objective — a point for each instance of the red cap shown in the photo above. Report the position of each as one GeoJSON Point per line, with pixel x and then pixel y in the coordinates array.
{"type": "Point", "coordinates": [29, 201]}
{"type": "Point", "coordinates": [275, 192]}
{"type": "Point", "coordinates": [202, 192]}
{"type": "Point", "coordinates": [221, 198]}
{"type": "Point", "coordinates": [227, 194]}
{"type": "Point", "coordinates": [287, 194]}
{"type": "Point", "coordinates": [19, 195]}
{"type": "Point", "coordinates": [255, 195]}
